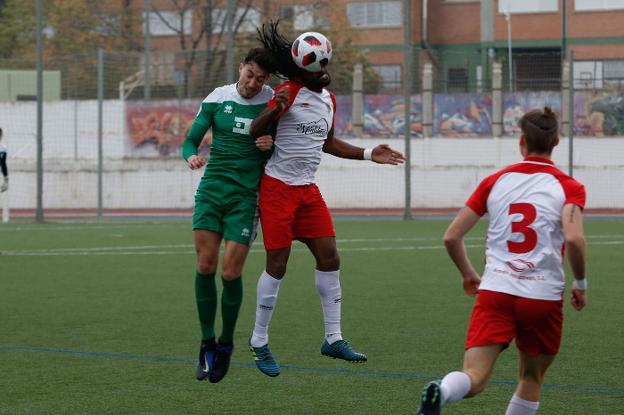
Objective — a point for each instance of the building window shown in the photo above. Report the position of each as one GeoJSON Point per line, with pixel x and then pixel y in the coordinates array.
{"type": "Point", "coordinates": [167, 23]}
{"type": "Point", "coordinates": [249, 24]}
{"type": "Point", "coordinates": [537, 69]}
{"type": "Point", "coordinates": [598, 74]}
{"type": "Point", "coordinates": [587, 74]}
{"type": "Point", "coordinates": [586, 5]}
{"type": "Point", "coordinates": [390, 75]}
{"type": "Point", "coordinates": [527, 6]}
{"type": "Point", "coordinates": [457, 79]}
{"type": "Point", "coordinates": [304, 17]}
{"type": "Point", "coordinates": [377, 14]}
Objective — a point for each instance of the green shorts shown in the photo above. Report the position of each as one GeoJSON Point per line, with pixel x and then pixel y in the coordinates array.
{"type": "Point", "coordinates": [227, 209]}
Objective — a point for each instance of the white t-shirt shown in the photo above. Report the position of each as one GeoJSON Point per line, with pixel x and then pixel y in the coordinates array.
{"type": "Point", "coordinates": [301, 132]}
{"type": "Point", "coordinates": [3, 149]}
{"type": "Point", "coordinates": [524, 250]}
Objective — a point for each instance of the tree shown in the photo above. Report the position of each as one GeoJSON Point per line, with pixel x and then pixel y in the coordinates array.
{"type": "Point", "coordinates": [17, 27]}
{"type": "Point", "coordinates": [331, 20]}
{"type": "Point", "coordinates": [209, 33]}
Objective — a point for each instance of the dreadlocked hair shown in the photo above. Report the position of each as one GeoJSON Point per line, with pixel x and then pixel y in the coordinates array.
{"type": "Point", "coordinates": [540, 129]}
{"type": "Point", "coordinates": [279, 47]}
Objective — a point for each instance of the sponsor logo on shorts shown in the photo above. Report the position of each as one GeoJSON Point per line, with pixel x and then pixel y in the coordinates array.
{"type": "Point", "coordinates": [245, 232]}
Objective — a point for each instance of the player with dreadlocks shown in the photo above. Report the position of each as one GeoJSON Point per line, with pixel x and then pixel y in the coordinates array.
{"type": "Point", "coordinates": [301, 119]}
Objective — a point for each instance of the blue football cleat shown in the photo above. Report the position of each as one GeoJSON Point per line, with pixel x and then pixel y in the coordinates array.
{"type": "Point", "coordinates": [206, 361]}
{"type": "Point", "coordinates": [264, 360]}
{"type": "Point", "coordinates": [342, 350]}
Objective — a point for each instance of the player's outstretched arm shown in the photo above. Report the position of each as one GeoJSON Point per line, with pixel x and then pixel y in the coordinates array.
{"type": "Point", "coordinates": [574, 237]}
{"type": "Point", "coordinates": [382, 154]}
{"type": "Point", "coordinates": [465, 220]}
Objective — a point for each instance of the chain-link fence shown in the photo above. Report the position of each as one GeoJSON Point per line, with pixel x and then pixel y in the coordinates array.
{"type": "Point", "coordinates": [464, 104]}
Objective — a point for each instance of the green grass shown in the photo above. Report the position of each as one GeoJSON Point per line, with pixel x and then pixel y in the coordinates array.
{"type": "Point", "coordinates": [100, 318]}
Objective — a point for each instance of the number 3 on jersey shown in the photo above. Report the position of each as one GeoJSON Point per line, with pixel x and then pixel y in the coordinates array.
{"type": "Point", "coordinates": [529, 213]}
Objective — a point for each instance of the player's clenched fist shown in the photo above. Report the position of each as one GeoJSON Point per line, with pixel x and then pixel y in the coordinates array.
{"type": "Point", "coordinates": [264, 143]}
{"type": "Point", "coordinates": [196, 162]}
{"type": "Point", "coordinates": [281, 98]}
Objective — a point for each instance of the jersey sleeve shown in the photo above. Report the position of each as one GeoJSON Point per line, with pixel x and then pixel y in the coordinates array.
{"type": "Point", "coordinates": [478, 200]}
{"type": "Point", "coordinates": [201, 124]}
{"type": "Point", "coordinates": [292, 94]}
{"type": "Point", "coordinates": [333, 100]}
{"type": "Point", "coordinates": [574, 193]}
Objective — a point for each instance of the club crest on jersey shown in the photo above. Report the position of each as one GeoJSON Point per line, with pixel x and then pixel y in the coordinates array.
{"type": "Point", "coordinates": [316, 128]}
{"type": "Point", "coordinates": [520, 265]}
{"type": "Point", "coordinates": [227, 109]}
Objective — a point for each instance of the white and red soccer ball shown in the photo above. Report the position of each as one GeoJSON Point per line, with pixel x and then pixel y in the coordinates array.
{"type": "Point", "coordinates": [311, 51]}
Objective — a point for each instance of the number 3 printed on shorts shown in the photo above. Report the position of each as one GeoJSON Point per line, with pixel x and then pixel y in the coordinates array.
{"type": "Point", "coordinates": [529, 213]}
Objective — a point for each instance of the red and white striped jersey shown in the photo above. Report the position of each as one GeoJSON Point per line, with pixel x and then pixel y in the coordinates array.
{"type": "Point", "coordinates": [524, 250]}
{"type": "Point", "coordinates": [301, 132]}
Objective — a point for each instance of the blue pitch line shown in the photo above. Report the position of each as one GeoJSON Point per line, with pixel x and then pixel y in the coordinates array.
{"type": "Point", "coordinates": [370, 373]}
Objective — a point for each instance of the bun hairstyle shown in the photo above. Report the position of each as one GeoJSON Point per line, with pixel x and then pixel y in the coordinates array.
{"type": "Point", "coordinates": [540, 129]}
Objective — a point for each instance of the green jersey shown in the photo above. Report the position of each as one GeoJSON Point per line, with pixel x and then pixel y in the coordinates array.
{"type": "Point", "coordinates": [233, 155]}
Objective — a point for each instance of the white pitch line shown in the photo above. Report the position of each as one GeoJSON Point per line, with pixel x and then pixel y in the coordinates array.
{"type": "Point", "coordinates": [102, 252]}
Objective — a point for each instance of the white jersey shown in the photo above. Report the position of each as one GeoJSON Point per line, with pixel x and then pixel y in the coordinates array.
{"type": "Point", "coordinates": [3, 149]}
{"type": "Point", "coordinates": [524, 250]}
{"type": "Point", "coordinates": [301, 132]}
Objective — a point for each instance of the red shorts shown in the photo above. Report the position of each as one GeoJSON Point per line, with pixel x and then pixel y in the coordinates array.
{"type": "Point", "coordinates": [292, 212]}
{"type": "Point", "coordinates": [499, 317]}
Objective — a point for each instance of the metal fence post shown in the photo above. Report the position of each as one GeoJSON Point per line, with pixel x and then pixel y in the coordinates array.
{"type": "Point", "coordinates": [358, 101]}
{"type": "Point", "coordinates": [427, 100]}
{"type": "Point", "coordinates": [565, 98]}
{"type": "Point", "coordinates": [39, 211]}
{"type": "Point", "coordinates": [100, 150]}
{"type": "Point", "coordinates": [571, 113]}
{"type": "Point", "coordinates": [497, 99]}
{"type": "Point", "coordinates": [408, 57]}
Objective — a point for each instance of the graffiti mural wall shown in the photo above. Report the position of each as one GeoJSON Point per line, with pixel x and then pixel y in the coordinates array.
{"type": "Point", "coordinates": [462, 115]}
{"type": "Point", "coordinates": [599, 114]}
{"type": "Point", "coordinates": [517, 104]}
{"type": "Point", "coordinates": [157, 128]}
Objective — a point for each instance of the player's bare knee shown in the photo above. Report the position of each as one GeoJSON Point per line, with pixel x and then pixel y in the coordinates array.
{"type": "Point", "coordinates": [329, 263]}
{"type": "Point", "coordinates": [231, 276]}
{"type": "Point", "coordinates": [478, 382]}
{"type": "Point", "coordinates": [207, 264]}
{"type": "Point", "coordinates": [276, 270]}
{"type": "Point", "coordinates": [232, 272]}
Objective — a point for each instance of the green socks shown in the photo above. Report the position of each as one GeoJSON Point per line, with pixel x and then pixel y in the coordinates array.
{"type": "Point", "coordinates": [231, 301]}
{"type": "Point", "coordinates": [206, 299]}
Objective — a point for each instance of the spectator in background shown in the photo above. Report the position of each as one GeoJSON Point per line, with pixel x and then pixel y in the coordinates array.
{"type": "Point", "coordinates": [3, 166]}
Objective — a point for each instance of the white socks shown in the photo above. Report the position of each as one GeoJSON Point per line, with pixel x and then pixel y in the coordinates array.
{"type": "Point", "coordinates": [518, 406]}
{"type": "Point", "coordinates": [266, 297]}
{"type": "Point", "coordinates": [328, 286]}
{"type": "Point", "coordinates": [454, 386]}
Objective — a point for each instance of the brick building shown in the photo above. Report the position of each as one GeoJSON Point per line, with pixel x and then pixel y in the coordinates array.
{"type": "Point", "coordinates": [460, 37]}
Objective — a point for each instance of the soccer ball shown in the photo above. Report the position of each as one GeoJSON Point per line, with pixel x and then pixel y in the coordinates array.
{"type": "Point", "coordinates": [311, 51]}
